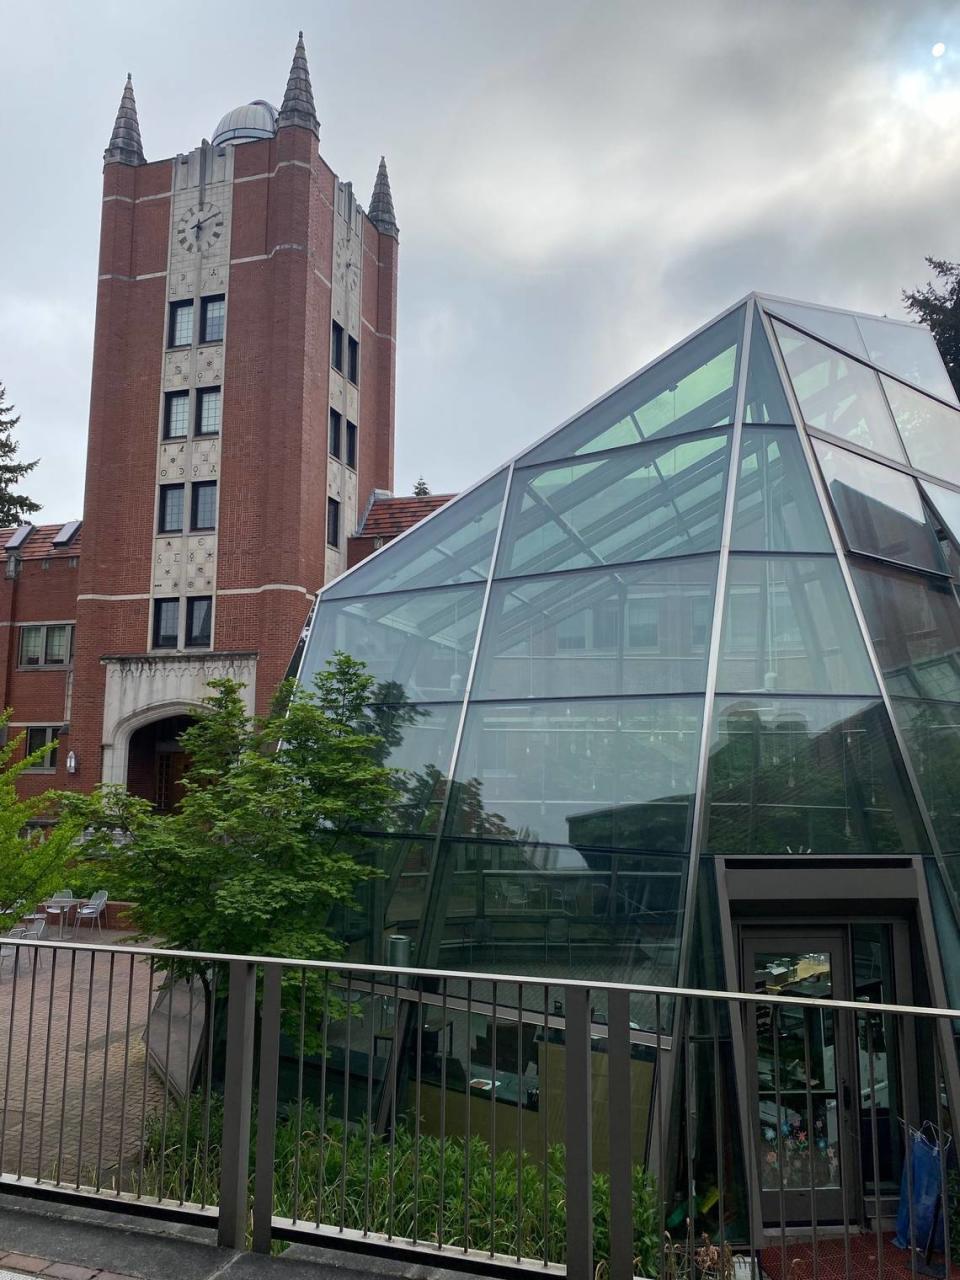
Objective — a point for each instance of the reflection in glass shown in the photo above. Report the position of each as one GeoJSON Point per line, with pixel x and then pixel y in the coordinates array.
{"type": "Point", "coordinates": [616, 774]}
{"type": "Point", "coordinates": [522, 908]}
{"type": "Point", "coordinates": [693, 389]}
{"type": "Point", "coordinates": [931, 731]}
{"type": "Point", "coordinates": [946, 504]}
{"type": "Point", "coordinates": [638, 629]}
{"type": "Point", "coordinates": [837, 327]}
{"type": "Point", "coordinates": [416, 646]}
{"type": "Point", "coordinates": [765, 399]}
{"type": "Point", "coordinates": [908, 351]}
{"type": "Point", "coordinates": [418, 744]}
{"type": "Point", "coordinates": [777, 508]}
{"type": "Point", "coordinates": [789, 626]}
{"type": "Point", "coordinates": [659, 499]}
{"type": "Point", "coordinates": [877, 1056]}
{"type": "Point", "coordinates": [838, 395]}
{"type": "Point", "coordinates": [453, 546]}
{"type": "Point", "coordinates": [390, 902]}
{"type": "Point", "coordinates": [879, 509]}
{"type": "Point", "coordinates": [914, 623]}
{"type": "Point", "coordinates": [796, 1069]}
{"type": "Point", "coordinates": [807, 775]}
{"type": "Point", "coordinates": [929, 430]}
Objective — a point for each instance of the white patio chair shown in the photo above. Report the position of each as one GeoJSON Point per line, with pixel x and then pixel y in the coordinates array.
{"type": "Point", "coordinates": [91, 911]}
{"type": "Point", "coordinates": [37, 931]}
{"type": "Point", "coordinates": [8, 952]}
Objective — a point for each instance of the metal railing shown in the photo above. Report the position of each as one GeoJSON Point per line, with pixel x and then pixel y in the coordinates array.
{"type": "Point", "coordinates": [492, 1122]}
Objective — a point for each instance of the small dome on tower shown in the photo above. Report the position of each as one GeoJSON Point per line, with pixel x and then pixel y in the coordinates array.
{"type": "Point", "coordinates": [253, 120]}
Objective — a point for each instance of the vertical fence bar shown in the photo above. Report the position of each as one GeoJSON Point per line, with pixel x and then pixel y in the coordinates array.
{"type": "Point", "coordinates": [126, 1067]}
{"type": "Point", "coordinates": [719, 1136]}
{"type": "Point", "coordinates": [493, 1122]}
{"type": "Point", "coordinates": [187, 1083]}
{"type": "Point", "coordinates": [417, 1111]}
{"type": "Point", "coordinates": [6, 1073]}
{"type": "Point", "coordinates": [806, 1014]}
{"type": "Point", "coordinates": [171, 987]}
{"type": "Point", "coordinates": [26, 1065]}
{"type": "Point", "coordinates": [106, 1067]}
{"type": "Point", "coordinates": [146, 1069]}
{"type": "Point", "coordinates": [86, 1067]}
{"type": "Point", "coordinates": [941, 1129]}
{"type": "Point", "coordinates": [686, 1011]}
{"type": "Point", "coordinates": [324, 1052]}
{"type": "Point", "coordinates": [775, 1044]}
{"type": "Point", "coordinates": [295, 1207]}
{"type": "Point", "coordinates": [267, 1108]}
{"type": "Point", "coordinates": [394, 1068]}
{"type": "Point", "coordinates": [874, 1143]}
{"type": "Point", "coordinates": [345, 1151]}
{"type": "Point", "coordinates": [544, 1119]}
{"type": "Point", "coordinates": [237, 1096]}
{"type": "Point", "coordinates": [520, 1066]}
{"type": "Point", "coordinates": [661, 1157]}
{"type": "Point", "coordinates": [578, 1127]}
{"type": "Point", "coordinates": [619, 1112]}
{"type": "Point", "coordinates": [466, 1123]}
{"type": "Point", "coordinates": [210, 1013]}
{"type": "Point", "coordinates": [46, 1064]}
{"type": "Point", "coordinates": [908, 1156]}
{"type": "Point", "coordinates": [441, 1216]}
{"type": "Point", "coordinates": [368, 1152]}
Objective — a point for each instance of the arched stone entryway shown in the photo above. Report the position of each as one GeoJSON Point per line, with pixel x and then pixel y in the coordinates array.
{"type": "Point", "coordinates": [156, 761]}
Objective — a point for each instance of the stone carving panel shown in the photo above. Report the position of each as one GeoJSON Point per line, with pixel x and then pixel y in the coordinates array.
{"type": "Point", "coordinates": [168, 566]}
{"type": "Point", "coordinates": [177, 370]}
{"type": "Point", "coordinates": [175, 460]}
{"type": "Point", "coordinates": [209, 366]}
{"type": "Point", "coordinates": [200, 564]}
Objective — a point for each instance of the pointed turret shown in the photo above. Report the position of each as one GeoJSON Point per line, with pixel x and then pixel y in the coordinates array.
{"type": "Point", "coordinates": [298, 107]}
{"type": "Point", "coordinates": [381, 212]}
{"type": "Point", "coordinates": [125, 145]}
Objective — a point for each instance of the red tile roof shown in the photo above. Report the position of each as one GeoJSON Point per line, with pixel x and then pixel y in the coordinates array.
{"type": "Point", "coordinates": [389, 517]}
{"type": "Point", "coordinates": [39, 545]}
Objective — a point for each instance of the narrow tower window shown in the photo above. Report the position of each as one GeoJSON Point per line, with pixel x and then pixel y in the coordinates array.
{"type": "Point", "coordinates": [171, 509]}
{"type": "Point", "coordinates": [176, 415]}
{"type": "Point", "coordinates": [333, 522]}
{"type": "Point", "coordinates": [352, 445]}
{"type": "Point", "coordinates": [181, 324]}
{"type": "Point", "coordinates": [166, 623]}
{"type": "Point", "coordinates": [199, 619]}
{"type": "Point", "coordinates": [212, 315]}
{"type": "Point", "coordinates": [203, 510]}
{"type": "Point", "coordinates": [335, 423]}
{"type": "Point", "coordinates": [336, 347]}
{"type": "Point", "coordinates": [208, 411]}
{"type": "Point", "coordinates": [353, 359]}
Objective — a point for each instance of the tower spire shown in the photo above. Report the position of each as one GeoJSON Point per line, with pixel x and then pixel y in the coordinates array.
{"type": "Point", "coordinates": [381, 212]}
{"type": "Point", "coordinates": [125, 146]}
{"type": "Point", "coordinates": [298, 107]}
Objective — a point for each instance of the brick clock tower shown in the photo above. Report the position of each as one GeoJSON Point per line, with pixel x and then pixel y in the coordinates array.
{"type": "Point", "coordinates": [241, 422]}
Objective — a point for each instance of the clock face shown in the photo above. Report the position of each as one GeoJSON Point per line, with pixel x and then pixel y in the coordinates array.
{"type": "Point", "coordinates": [200, 227]}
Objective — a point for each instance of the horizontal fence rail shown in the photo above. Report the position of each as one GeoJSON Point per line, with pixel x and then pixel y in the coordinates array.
{"type": "Point", "coordinates": [492, 1122]}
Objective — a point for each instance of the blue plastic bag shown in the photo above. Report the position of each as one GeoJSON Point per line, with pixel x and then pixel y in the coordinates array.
{"type": "Point", "coordinates": [924, 1188]}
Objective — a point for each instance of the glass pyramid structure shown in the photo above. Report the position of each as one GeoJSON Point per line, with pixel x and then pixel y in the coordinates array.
{"type": "Point", "coordinates": [712, 616]}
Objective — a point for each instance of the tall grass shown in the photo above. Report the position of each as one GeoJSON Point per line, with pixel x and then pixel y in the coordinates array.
{"type": "Point", "coordinates": [457, 1193]}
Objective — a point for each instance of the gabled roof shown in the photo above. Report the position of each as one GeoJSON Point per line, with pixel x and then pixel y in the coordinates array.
{"type": "Point", "coordinates": [38, 544]}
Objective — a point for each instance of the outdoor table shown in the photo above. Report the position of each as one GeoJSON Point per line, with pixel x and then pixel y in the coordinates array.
{"type": "Point", "coordinates": [62, 908]}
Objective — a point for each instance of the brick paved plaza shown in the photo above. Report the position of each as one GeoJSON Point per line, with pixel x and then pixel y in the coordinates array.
{"type": "Point", "coordinates": [73, 1070]}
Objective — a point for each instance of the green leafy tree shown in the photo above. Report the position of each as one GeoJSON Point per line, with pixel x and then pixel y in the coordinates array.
{"type": "Point", "coordinates": [938, 307]}
{"type": "Point", "coordinates": [421, 489]}
{"type": "Point", "coordinates": [33, 859]}
{"type": "Point", "coordinates": [14, 506]}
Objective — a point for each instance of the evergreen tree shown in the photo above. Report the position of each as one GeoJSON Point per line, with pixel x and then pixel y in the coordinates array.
{"type": "Point", "coordinates": [938, 307]}
{"type": "Point", "coordinates": [13, 506]}
{"type": "Point", "coordinates": [421, 489]}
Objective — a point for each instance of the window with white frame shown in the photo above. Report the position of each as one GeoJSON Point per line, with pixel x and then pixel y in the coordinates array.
{"type": "Point", "coordinates": [46, 644]}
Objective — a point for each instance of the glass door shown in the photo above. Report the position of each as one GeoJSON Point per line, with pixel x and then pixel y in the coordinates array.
{"type": "Point", "coordinates": [800, 1061]}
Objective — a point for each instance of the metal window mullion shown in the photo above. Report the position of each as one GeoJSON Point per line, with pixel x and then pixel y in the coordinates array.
{"type": "Point", "coordinates": [833, 528]}
{"type": "Point", "coordinates": [697, 826]}
{"type": "Point", "coordinates": [430, 922]}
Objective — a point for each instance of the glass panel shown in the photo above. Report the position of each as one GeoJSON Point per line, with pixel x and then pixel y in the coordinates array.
{"type": "Point", "coordinates": [209, 417]}
{"type": "Point", "coordinates": [416, 646]}
{"type": "Point", "coordinates": [914, 623]}
{"type": "Point", "coordinates": [765, 400]}
{"type": "Point", "coordinates": [520, 908]}
{"type": "Point", "coordinates": [877, 1057]}
{"type": "Point", "coordinates": [654, 500]}
{"type": "Point", "coordinates": [693, 389]}
{"type": "Point", "coordinates": [946, 503]}
{"type": "Point", "coordinates": [807, 775]}
{"type": "Point", "coordinates": [908, 351]}
{"type": "Point", "coordinates": [838, 395]}
{"type": "Point", "coordinates": [453, 546]}
{"type": "Point", "coordinates": [777, 508]}
{"type": "Point", "coordinates": [418, 745]}
{"type": "Point", "coordinates": [31, 641]}
{"type": "Point", "coordinates": [879, 509]}
{"type": "Point", "coordinates": [931, 732]}
{"type": "Point", "coordinates": [389, 904]}
{"type": "Point", "coordinates": [795, 1144]}
{"type": "Point", "coordinates": [55, 645]}
{"type": "Point", "coordinates": [642, 629]}
{"type": "Point", "coordinates": [838, 327]}
{"type": "Point", "coordinates": [930, 431]}
{"type": "Point", "coordinates": [789, 627]}
{"type": "Point", "coordinates": [615, 774]}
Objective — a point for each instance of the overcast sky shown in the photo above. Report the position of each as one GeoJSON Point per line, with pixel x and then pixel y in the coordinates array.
{"type": "Point", "coordinates": [577, 184]}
